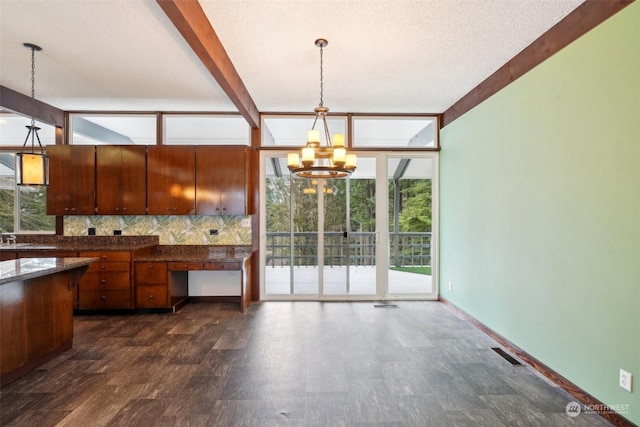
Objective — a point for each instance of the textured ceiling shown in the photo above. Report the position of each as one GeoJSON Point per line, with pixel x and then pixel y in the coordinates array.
{"type": "Point", "coordinates": [394, 56]}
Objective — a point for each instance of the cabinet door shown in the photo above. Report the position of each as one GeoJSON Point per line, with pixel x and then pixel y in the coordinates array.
{"type": "Point", "coordinates": [120, 180]}
{"type": "Point", "coordinates": [233, 181]}
{"type": "Point", "coordinates": [71, 180]}
{"type": "Point", "coordinates": [108, 199]}
{"type": "Point", "coordinates": [221, 180]}
{"type": "Point", "coordinates": [133, 175]}
{"type": "Point", "coordinates": [171, 180]}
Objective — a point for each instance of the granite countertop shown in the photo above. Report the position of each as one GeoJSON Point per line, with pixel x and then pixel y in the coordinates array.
{"type": "Point", "coordinates": [72, 247]}
{"type": "Point", "coordinates": [41, 242]}
{"type": "Point", "coordinates": [29, 268]}
{"type": "Point", "coordinates": [196, 253]}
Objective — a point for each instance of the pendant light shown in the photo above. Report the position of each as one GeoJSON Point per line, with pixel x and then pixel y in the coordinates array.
{"type": "Point", "coordinates": [32, 168]}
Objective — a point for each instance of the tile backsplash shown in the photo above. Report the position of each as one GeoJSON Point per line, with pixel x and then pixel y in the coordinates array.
{"type": "Point", "coordinates": [171, 230]}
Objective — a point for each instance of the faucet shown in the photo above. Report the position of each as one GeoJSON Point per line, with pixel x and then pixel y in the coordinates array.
{"type": "Point", "coordinates": [11, 239]}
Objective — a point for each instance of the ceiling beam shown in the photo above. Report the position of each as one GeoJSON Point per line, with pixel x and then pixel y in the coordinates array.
{"type": "Point", "coordinates": [23, 104]}
{"type": "Point", "coordinates": [585, 17]}
{"type": "Point", "coordinates": [191, 21]}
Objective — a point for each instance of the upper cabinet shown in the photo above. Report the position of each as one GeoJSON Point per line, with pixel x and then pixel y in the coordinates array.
{"type": "Point", "coordinates": [121, 180]}
{"type": "Point", "coordinates": [154, 180]}
{"type": "Point", "coordinates": [71, 180]}
{"type": "Point", "coordinates": [221, 180]}
{"type": "Point", "coordinates": [171, 180]}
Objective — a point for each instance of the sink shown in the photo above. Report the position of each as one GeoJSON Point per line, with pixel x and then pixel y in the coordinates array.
{"type": "Point", "coordinates": [14, 245]}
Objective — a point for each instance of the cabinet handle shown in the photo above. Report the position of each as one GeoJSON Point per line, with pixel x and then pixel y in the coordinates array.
{"type": "Point", "coordinates": [66, 209]}
{"type": "Point", "coordinates": [103, 281]}
{"type": "Point", "coordinates": [151, 266]}
{"type": "Point", "coordinates": [104, 267]}
{"type": "Point", "coordinates": [103, 298]}
{"type": "Point", "coordinates": [124, 209]}
{"type": "Point", "coordinates": [224, 209]}
{"type": "Point", "coordinates": [104, 257]}
{"type": "Point", "coordinates": [152, 296]}
{"type": "Point", "coordinates": [117, 209]}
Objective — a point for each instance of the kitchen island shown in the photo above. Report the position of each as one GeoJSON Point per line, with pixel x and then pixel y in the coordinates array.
{"type": "Point", "coordinates": [36, 311]}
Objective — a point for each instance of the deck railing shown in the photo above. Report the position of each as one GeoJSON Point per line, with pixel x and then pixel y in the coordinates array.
{"type": "Point", "coordinates": [355, 249]}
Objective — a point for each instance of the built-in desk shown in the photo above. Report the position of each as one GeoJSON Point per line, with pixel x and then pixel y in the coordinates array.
{"type": "Point", "coordinates": [36, 302]}
{"type": "Point", "coordinates": [162, 278]}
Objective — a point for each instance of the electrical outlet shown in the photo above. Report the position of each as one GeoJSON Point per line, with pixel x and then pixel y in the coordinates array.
{"type": "Point", "coordinates": [246, 222]}
{"type": "Point", "coordinates": [625, 380]}
{"type": "Point", "coordinates": [91, 231]}
{"type": "Point", "coordinates": [213, 232]}
{"type": "Point", "coordinates": [450, 286]}
{"type": "Point", "coordinates": [117, 232]}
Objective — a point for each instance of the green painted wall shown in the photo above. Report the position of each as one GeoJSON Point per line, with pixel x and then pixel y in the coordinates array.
{"type": "Point", "coordinates": [540, 211]}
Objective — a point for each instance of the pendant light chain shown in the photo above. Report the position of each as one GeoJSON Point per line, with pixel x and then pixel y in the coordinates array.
{"type": "Point", "coordinates": [33, 87]}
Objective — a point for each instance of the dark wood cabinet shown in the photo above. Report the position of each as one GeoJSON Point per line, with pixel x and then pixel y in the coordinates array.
{"type": "Point", "coordinates": [152, 290]}
{"type": "Point", "coordinates": [121, 180]}
{"type": "Point", "coordinates": [71, 180]}
{"type": "Point", "coordinates": [222, 180]}
{"type": "Point", "coordinates": [171, 180]}
{"type": "Point", "coordinates": [107, 283]}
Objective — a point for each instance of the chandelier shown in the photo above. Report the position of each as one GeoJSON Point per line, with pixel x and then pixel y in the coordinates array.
{"type": "Point", "coordinates": [32, 168]}
{"type": "Point", "coordinates": [315, 160]}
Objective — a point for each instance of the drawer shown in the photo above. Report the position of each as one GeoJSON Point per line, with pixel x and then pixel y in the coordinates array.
{"type": "Point", "coordinates": [105, 281]}
{"type": "Point", "coordinates": [151, 273]}
{"type": "Point", "coordinates": [104, 300]}
{"type": "Point", "coordinates": [122, 266]}
{"type": "Point", "coordinates": [223, 266]}
{"type": "Point", "coordinates": [184, 265]}
{"type": "Point", "coordinates": [151, 296]}
{"type": "Point", "coordinates": [108, 256]}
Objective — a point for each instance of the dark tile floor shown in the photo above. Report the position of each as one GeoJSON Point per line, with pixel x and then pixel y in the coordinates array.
{"type": "Point", "coordinates": [285, 364]}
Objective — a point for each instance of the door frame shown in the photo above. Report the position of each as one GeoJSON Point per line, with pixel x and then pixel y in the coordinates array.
{"type": "Point", "coordinates": [382, 234]}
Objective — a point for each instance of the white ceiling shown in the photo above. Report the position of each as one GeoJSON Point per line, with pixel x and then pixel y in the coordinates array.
{"type": "Point", "coordinates": [391, 56]}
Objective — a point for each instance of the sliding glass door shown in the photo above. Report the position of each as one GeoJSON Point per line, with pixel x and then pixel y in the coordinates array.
{"type": "Point", "coordinates": [368, 236]}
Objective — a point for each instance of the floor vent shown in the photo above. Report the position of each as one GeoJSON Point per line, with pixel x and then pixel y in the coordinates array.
{"type": "Point", "coordinates": [506, 356]}
{"type": "Point", "coordinates": [385, 306]}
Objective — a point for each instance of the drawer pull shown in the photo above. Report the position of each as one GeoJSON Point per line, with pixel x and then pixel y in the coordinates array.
{"type": "Point", "coordinates": [152, 296]}
{"type": "Point", "coordinates": [104, 267]}
{"type": "Point", "coordinates": [151, 266]}
{"type": "Point", "coordinates": [104, 257]}
{"type": "Point", "coordinates": [103, 298]}
{"type": "Point", "coordinates": [103, 281]}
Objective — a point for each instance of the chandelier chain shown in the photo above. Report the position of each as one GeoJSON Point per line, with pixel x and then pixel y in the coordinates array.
{"type": "Point", "coordinates": [321, 77]}
{"type": "Point", "coordinates": [33, 87]}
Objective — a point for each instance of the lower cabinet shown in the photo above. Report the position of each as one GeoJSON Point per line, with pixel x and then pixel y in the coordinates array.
{"type": "Point", "coordinates": [151, 281]}
{"type": "Point", "coordinates": [107, 283]}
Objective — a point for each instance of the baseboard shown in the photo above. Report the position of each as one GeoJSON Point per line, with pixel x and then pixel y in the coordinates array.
{"type": "Point", "coordinates": [581, 396]}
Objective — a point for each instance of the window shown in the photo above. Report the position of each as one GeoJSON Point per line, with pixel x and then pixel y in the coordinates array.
{"type": "Point", "coordinates": [116, 129]}
{"type": "Point", "coordinates": [206, 129]}
{"type": "Point", "coordinates": [291, 131]}
{"type": "Point", "coordinates": [22, 209]}
{"type": "Point", "coordinates": [395, 132]}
